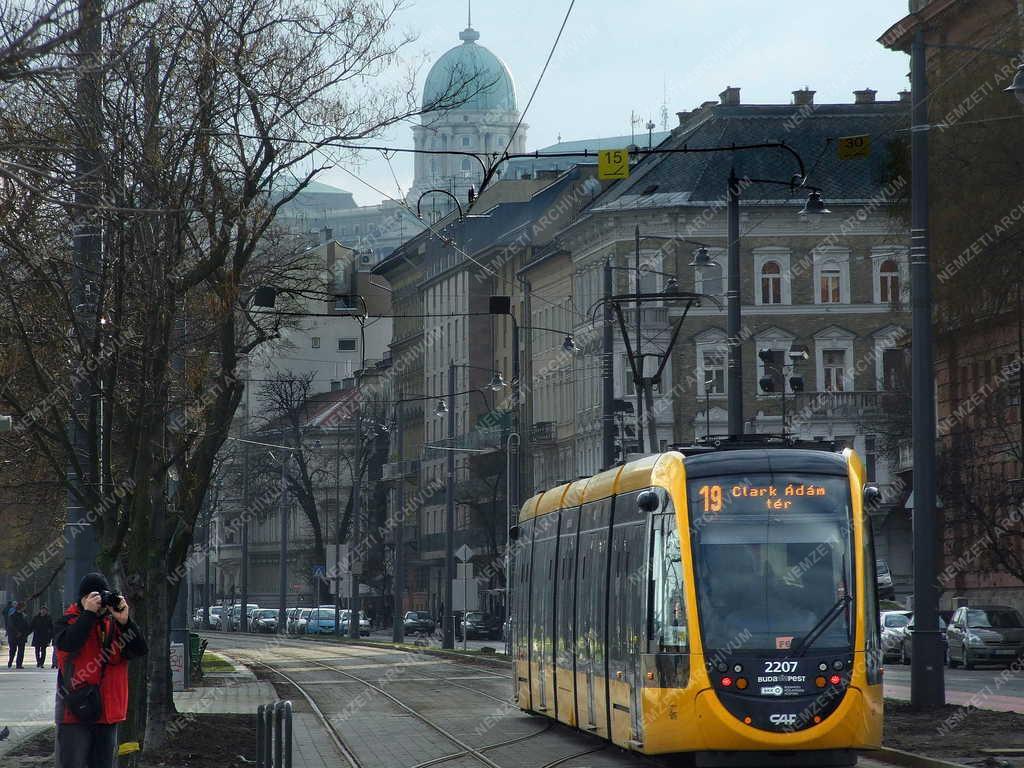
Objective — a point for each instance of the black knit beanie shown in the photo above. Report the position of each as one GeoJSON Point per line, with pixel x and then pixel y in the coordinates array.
{"type": "Point", "coordinates": [92, 582]}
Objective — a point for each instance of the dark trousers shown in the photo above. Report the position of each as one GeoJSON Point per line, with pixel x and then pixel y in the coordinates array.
{"type": "Point", "coordinates": [86, 746]}
{"type": "Point", "coordinates": [40, 655]}
{"type": "Point", "coordinates": [17, 650]}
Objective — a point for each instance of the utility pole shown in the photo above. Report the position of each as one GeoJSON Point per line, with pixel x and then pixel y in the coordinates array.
{"type": "Point", "coordinates": [397, 627]}
{"type": "Point", "coordinates": [282, 603]}
{"type": "Point", "coordinates": [449, 533]}
{"type": "Point", "coordinates": [638, 384]}
{"type": "Point", "coordinates": [607, 372]}
{"type": "Point", "coordinates": [357, 511]}
{"type": "Point", "coordinates": [337, 528]}
{"type": "Point", "coordinates": [927, 682]}
{"type": "Point", "coordinates": [245, 505]}
{"type": "Point", "coordinates": [732, 299]}
{"type": "Point", "coordinates": [80, 546]}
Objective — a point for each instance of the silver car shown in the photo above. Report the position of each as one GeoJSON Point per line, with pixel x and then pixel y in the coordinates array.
{"type": "Point", "coordinates": [992, 634]}
{"type": "Point", "coordinates": [894, 624]}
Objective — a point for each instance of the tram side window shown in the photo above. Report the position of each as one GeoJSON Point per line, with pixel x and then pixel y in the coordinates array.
{"type": "Point", "coordinates": [668, 610]}
{"type": "Point", "coordinates": [872, 616]}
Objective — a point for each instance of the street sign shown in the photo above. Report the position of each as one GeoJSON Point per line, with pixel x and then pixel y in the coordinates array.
{"type": "Point", "coordinates": [612, 164]}
{"type": "Point", "coordinates": [319, 570]}
{"type": "Point", "coordinates": [464, 553]}
{"type": "Point", "coordinates": [849, 147]}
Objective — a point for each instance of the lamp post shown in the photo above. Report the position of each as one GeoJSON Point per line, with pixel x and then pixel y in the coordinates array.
{"type": "Point", "coordinates": [283, 547]}
{"type": "Point", "coordinates": [448, 617]}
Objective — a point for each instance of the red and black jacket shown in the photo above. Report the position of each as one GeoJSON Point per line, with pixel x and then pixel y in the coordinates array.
{"type": "Point", "coordinates": [101, 649]}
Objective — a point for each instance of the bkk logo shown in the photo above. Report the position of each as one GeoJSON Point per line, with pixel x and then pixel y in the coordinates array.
{"type": "Point", "coordinates": [771, 690]}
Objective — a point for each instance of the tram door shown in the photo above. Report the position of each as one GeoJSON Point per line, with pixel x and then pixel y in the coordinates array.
{"type": "Point", "coordinates": [591, 615]}
{"type": "Point", "coordinates": [542, 612]}
{"type": "Point", "coordinates": [521, 613]}
{"type": "Point", "coordinates": [627, 599]}
{"type": "Point", "coordinates": [565, 612]}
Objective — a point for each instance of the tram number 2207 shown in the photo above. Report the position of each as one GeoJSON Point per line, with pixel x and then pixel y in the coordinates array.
{"type": "Point", "coordinates": [775, 667]}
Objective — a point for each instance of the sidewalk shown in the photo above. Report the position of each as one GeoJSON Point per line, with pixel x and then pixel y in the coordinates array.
{"type": "Point", "coordinates": [240, 693]}
{"type": "Point", "coordinates": [26, 701]}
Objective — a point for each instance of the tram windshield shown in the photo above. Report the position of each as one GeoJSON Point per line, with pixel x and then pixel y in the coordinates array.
{"type": "Point", "coordinates": [773, 561]}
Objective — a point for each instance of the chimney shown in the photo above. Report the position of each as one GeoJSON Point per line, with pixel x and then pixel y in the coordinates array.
{"type": "Point", "coordinates": [803, 97]}
{"type": "Point", "coordinates": [905, 96]}
{"type": "Point", "coordinates": [867, 96]}
{"type": "Point", "coordinates": [328, 234]}
{"type": "Point", "coordinates": [730, 97]}
{"type": "Point", "coordinates": [682, 117]}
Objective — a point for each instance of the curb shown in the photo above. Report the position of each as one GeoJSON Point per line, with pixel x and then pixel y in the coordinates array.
{"type": "Point", "coordinates": [478, 659]}
{"type": "Point", "coordinates": [13, 743]}
{"type": "Point", "coordinates": [908, 759]}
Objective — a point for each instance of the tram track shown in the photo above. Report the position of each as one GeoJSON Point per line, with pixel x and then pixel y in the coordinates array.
{"type": "Point", "coordinates": [464, 749]}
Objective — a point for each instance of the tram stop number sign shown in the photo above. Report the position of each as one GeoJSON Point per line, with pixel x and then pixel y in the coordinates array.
{"type": "Point", "coordinates": [613, 164]}
{"type": "Point", "coordinates": [850, 147]}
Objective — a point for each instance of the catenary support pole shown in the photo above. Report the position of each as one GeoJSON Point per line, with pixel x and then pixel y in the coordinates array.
{"type": "Point", "coordinates": [607, 372]}
{"type": "Point", "coordinates": [282, 599]}
{"type": "Point", "coordinates": [927, 683]}
{"type": "Point", "coordinates": [732, 299]}
{"type": "Point", "coordinates": [357, 511]}
{"type": "Point", "coordinates": [638, 315]}
{"type": "Point", "coordinates": [397, 627]}
{"type": "Point", "coordinates": [449, 518]}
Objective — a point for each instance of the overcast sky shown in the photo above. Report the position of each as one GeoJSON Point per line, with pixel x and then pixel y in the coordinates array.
{"type": "Point", "coordinates": [618, 57]}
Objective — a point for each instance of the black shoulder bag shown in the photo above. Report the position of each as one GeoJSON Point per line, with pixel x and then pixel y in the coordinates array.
{"type": "Point", "coordinates": [83, 701]}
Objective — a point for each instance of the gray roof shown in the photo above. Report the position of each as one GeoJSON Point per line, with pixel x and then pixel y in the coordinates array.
{"type": "Point", "coordinates": [515, 169]}
{"type": "Point", "coordinates": [699, 178]}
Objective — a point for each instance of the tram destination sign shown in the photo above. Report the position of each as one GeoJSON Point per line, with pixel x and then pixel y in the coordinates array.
{"type": "Point", "coordinates": [712, 498]}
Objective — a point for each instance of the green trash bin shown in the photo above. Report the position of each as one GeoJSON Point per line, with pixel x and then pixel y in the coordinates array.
{"type": "Point", "coordinates": [195, 654]}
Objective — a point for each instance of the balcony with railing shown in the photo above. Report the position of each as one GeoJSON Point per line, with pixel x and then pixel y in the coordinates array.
{"type": "Point", "coordinates": [396, 470]}
{"type": "Point", "coordinates": [846, 405]}
{"type": "Point", "coordinates": [543, 433]}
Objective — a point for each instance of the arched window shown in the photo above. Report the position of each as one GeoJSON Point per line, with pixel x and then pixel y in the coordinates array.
{"type": "Point", "coordinates": [465, 164]}
{"type": "Point", "coordinates": [888, 282]}
{"type": "Point", "coordinates": [830, 284]}
{"type": "Point", "coordinates": [771, 283]}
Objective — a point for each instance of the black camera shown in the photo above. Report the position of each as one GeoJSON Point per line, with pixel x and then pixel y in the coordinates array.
{"type": "Point", "coordinates": [110, 599]}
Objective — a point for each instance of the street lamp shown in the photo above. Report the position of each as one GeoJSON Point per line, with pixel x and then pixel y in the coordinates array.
{"type": "Point", "coordinates": [1017, 86]}
{"type": "Point", "coordinates": [814, 206]}
{"type": "Point", "coordinates": [497, 382]}
{"type": "Point", "coordinates": [441, 408]}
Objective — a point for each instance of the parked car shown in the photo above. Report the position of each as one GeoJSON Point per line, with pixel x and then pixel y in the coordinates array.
{"type": "Point", "coordinates": [235, 615]}
{"type": "Point", "coordinates": [893, 625]}
{"type": "Point", "coordinates": [289, 620]}
{"type": "Point", "coordinates": [416, 622]}
{"type": "Point", "coordinates": [320, 621]}
{"type": "Point", "coordinates": [984, 633]}
{"type": "Point", "coordinates": [886, 589]}
{"type": "Point", "coordinates": [299, 626]}
{"type": "Point", "coordinates": [214, 619]}
{"type": "Point", "coordinates": [263, 620]}
{"type": "Point", "coordinates": [906, 646]}
{"type": "Point", "coordinates": [479, 625]}
{"type": "Point", "coordinates": [364, 623]}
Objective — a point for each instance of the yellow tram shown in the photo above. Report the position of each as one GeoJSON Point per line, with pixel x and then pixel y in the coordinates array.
{"type": "Point", "coordinates": [717, 602]}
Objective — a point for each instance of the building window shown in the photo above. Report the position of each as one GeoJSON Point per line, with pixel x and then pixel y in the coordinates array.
{"type": "Point", "coordinates": [346, 345]}
{"type": "Point", "coordinates": [465, 164]}
{"type": "Point", "coordinates": [335, 386]}
{"type": "Point", "coordinates": [831, 275]}
{"type": "Point", "coordinates": [889, 282]}
{"type": "Point", "coordinates": [466, 141]}
{"type": "Point", "coordinates": [712, 380]}
{"type": "Point", "coordinates": [316, 342]}
{"type": "Point", "coordinates": [834, 370]}
{"type": "Point", "coordinates": [870, 457]}
{"type": "Point", "coordinates": [895, 370]}
{"type": "Point", "coordinates": [771, 283]}
{"type": "Point", "coordinates": [830, 285]}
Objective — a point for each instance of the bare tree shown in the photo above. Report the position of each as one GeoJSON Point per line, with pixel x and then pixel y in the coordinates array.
{"type": "Point", "coordinates": [223, 114]}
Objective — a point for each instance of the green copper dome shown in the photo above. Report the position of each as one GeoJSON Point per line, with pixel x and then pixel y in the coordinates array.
{"type": "Point", "coordinates": [472, 75]}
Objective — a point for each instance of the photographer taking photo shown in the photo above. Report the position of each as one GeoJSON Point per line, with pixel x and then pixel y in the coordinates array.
{"type": "Point", "coordinates": [95, 640]}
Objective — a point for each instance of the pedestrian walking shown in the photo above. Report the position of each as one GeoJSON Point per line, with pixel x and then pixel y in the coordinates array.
{"type": "Point", "coordinates": [95, 639]}
{"type": "Point", "coordinates": [17, 635]}
{"type": "Point", "coordinates": [42, 635]}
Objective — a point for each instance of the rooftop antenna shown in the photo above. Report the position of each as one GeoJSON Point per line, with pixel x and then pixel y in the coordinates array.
{"type": "Point", "coordinates": [664, 103]}
{"type": "Point", "coordinates": [469, 13]}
